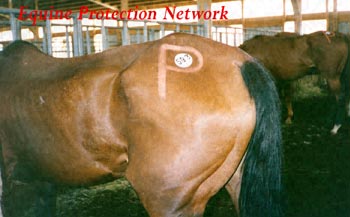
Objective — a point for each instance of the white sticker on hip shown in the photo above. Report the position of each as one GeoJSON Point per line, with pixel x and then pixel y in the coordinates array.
{"type": "Point", "coordinates": [183, 60]}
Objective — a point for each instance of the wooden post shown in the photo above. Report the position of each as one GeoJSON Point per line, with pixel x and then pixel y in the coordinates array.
{"type": "Point", "coordinates": [332, 17]}
{"type": "Point", "coordinates": [284, 15]}
{"type": "Point", "coordinates": [335, 16]}
{"type": "Point", "coordinates": [242, 10]}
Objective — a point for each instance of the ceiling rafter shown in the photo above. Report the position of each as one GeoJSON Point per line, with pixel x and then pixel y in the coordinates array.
{"type": "Point", "coordinates": [106, 5]}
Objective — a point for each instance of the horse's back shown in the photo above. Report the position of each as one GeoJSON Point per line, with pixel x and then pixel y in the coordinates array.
{"type": "Point", "coordinates": [22, 60]}
{"type": "Point", "coordinates": [277, 52]}
{"type": "Point", "coordinates": [329, 51]}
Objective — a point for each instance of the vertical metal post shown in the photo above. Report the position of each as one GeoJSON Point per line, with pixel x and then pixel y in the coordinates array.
{"type": "Point", "coordinates": [151, 35]}
{"type": "Point", "coordinates": [77, 37]}
{"type": "Point", "coordinates": [67, 42]}
{"type": "Point", "coordinates": [234, 37]}
{"type": "Point", "coordinates": [49, 36]}
{"type": "Point", "coordinates": [201, 30]}
{"type": "Point", "coordinates": [138, 37]}
{"type": "Point", "coordinates": [204, 5]}
{"type": "Point", "coordinates": [44, 40]}
{"type": "Point", "coordinates": [226, 32]}
{"type": "Point", "coordinates": [88, 42]}
{"type": "Point", "coordinates": [104, 36]}
{"type": "Point", "coordinates": [162, 30]}
{"type": "Point", "coordinates": [125, 33]}
{"type": "Point", "coordinates": [14, 29]}
{"type": "Point", "coordinates": [145, 32]}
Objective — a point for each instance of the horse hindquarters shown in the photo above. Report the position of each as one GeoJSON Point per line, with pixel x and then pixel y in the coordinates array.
{"type": "Point", "coordinates": [261, 178]}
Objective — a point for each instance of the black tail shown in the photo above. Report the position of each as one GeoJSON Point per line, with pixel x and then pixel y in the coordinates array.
{"type": "Point", "coordinates": [260, 194]}
{"type": "Point", "coordinates": [345, 77]}
{"type": "Point", "coordinates": [346, 70]}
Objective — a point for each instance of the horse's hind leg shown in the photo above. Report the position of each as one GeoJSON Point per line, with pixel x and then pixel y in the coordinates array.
{"type": "Point", "coordinates": [176, 175]}
{"type": "Point", "coordinates": [234, 186]}
{"type": "Point", "coordinates": [341, 98]}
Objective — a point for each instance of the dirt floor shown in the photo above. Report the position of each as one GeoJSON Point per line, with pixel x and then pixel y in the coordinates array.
{"type": "Point", "coordinates": [316, 174]}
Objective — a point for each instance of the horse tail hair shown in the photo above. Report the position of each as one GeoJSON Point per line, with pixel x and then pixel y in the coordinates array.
{"type": "Point", "coordinates": [345, 77]}
{"type": "Point", "coordinates": [261, 187]}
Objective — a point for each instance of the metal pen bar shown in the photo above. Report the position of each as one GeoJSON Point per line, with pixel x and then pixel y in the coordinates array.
{"type": "Point", "coordinates": [125, 33]}
{"type": "Point", "coordinates": [104, 35]}
{"type": "Point", "coordinates": [49, 37]}
{"type": "Point", "coordinates": [145, 35]}
{"type": "Point", "coordinates": [44, 41]}
{"type": "Point", "coordinates": [80, 38]}
{"type": "Point", "coordinates": [138, 36]}
{"type": "Point", "coordinates": [88, 42]}
{"type": "Point", "coordinates": [162, 30]}
{"type": "Point", "coordinates": [14, 29]}
{"type": "Point", "coordinates": [67, 42]}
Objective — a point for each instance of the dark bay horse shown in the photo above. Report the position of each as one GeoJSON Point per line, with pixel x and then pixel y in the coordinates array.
{"type": "Point", "coordinates": [180, 118]}
{"type": "Point", "coordinates": [290, 57]}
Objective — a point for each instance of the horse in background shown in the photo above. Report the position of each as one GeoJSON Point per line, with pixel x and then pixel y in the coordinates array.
{"type": "Point", "coordinates": [180, 118]}
{"type": "Point", "coordinates": [290, 56]}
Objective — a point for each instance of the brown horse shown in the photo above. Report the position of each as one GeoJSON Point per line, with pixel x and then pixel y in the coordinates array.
{"type": "Point", "coordinates": [290, 57]}
{"type": "Point", "coordinates": [180, 118]}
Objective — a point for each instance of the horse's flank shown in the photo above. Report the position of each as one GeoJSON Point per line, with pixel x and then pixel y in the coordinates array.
{"type": "Point", "coordinates": [287, 57]}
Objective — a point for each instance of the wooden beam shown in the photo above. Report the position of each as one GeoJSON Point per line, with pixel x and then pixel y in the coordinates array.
{"type": "Point", "coordinates": [98, 2]}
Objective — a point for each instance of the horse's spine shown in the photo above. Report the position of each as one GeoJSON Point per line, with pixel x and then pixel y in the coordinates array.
{"type": "Point", "coordinates": [261, 186]}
